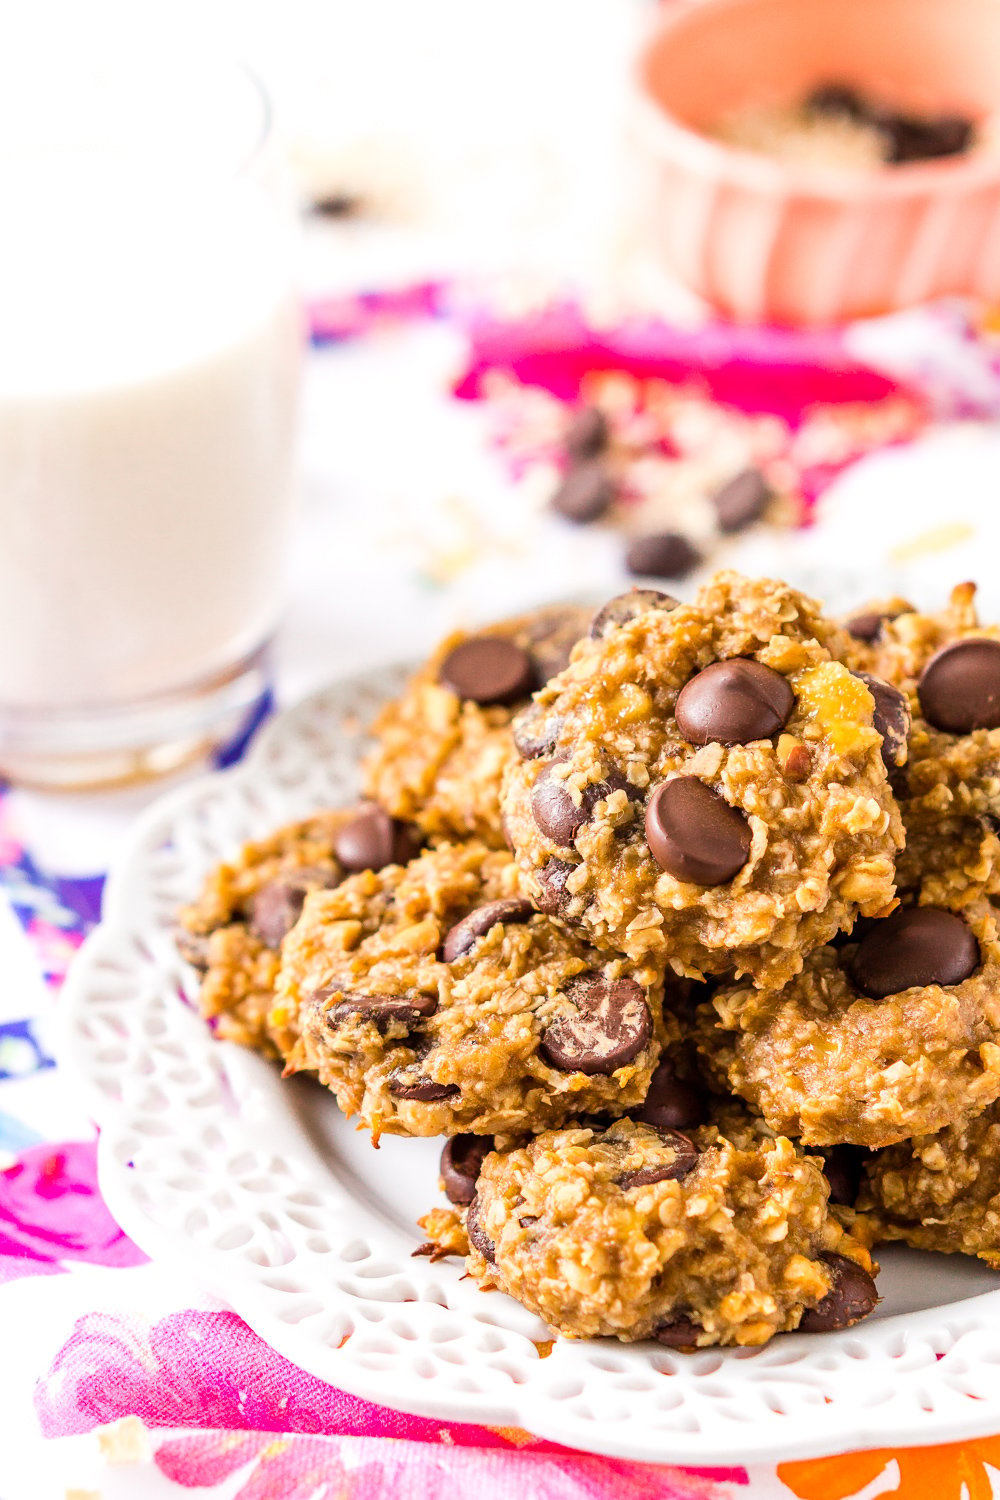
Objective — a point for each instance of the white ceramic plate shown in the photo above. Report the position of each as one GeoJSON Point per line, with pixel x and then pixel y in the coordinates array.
{"type": "Point", "coordinates": [264, 1193]}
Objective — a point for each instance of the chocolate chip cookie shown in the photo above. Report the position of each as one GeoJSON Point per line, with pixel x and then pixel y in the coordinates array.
{"type": "Point", "coordinates": [435, 1000]}
{"type": "Point", "coordinates": [892, 1034]}
{"type": "Point", "coordinates": [948, 666]}
{"type": "Point", "coordinates": [706, 786]}
{"type": "Point", "coordinates": [940, 1192]}
{"type": "Point", "coordinates": [635, 1232]}
{"type": "Point", "coordinates": [232, 934]}
{"type": "Point", "coordinates": [442, 747]}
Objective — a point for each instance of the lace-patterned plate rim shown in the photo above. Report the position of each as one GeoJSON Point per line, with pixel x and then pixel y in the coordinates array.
{"type": "Point", "coordinates": [262, 1193]}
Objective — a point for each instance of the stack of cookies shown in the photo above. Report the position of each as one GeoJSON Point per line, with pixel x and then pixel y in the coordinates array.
{"type": "Point", "coordinates": [677, 922]}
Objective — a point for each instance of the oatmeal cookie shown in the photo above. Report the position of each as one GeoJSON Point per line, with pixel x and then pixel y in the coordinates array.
{"type": "Point", "coordinates": [435, 1000]}
{"type": "Point", "coordinates": [890, 1035]}
{"type": "Point", "coordinates": [948, 665]}
{"type": "Point", "coordinates": [232, 934]}
{"type": "Point", "coordinates": [707, 786]}
{"type": "Point", "coordinates": [634, 1233]}
{"type": "Point", "coordinates": [940, 1192]}
{"type": "Point", "coordinates": [442, 747]}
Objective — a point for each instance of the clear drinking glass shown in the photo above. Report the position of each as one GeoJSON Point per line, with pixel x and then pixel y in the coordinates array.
{"type": "Point", "coordinates": [150, 348]}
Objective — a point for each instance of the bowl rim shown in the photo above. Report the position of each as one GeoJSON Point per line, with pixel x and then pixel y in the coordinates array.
{"type": "Point", "coordinates": [666, 132]}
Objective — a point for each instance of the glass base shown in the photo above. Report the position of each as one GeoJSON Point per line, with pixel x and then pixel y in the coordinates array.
{"type": "Point", "coordinates": [81, 748]}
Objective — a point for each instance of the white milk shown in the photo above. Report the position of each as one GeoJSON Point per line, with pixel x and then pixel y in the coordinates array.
{"type": "Point", "coordinates": [150, 343]}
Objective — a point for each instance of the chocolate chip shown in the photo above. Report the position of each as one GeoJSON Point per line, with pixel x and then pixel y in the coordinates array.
{"type": "Point", "coordinates": [917, 945]}
{"type": "Point", "coordinates": [867, 626]}
{"type": "Point", "coordinates": [625, 607]}
{"type": "Point", "coordinates": [536, 731]}
{"type": "Point", "coordinates": [555, 812]}
{"type": "Point", "coordinates": [585, 493]}
{"type": "Point", "coordinates": [734, 703]}
{"type": "Point", "coordinates": [694, 834]}
{"type": "Point", "coordinates": [551, 638]}
{"type": "Point", "coordinates": [664, 554]}
{"type": "Point", "coordinates": [278, 905]}
{"type": "Point", "coordinates": [842, 1168]}
{"type": "Point", "coordinates": [337, 205]}
{"type": "Point", "coordinates": [477, 1234]}
{"type": "Point", "coordinates": [679, 1333]}
{"type": "Point", "coordinates": [461, 1162]}
{"type": "Point", "coordinates": [684, 1158]}
{"type": "Point", "coordinates": [373, 839]}
{"type": "Point", "coordinates": [837, 99]}
{"type": "Point", "coordinates": [892, 719]}
{"type": "Point", "coordinates": [672, 1103]}
{"type": "Point", "coordinates": [462, 937]}
{"type": "Point", "coordinates": [609, 1026]}
{"type": "Point", "coordinates": [959, 689]}
{"type": "Point", "coordinates": [425, 1090]}
{"type": "Point", "coordinates": [912, 138]}
{"type": "Point", "coordinates": [742, 501]}
{"type": "Point", "coordinates": [193, 947]}
{"type": "Point", "coordinates": [489, 669]}
{"type": "Point", "coordinates": [852, 1296]}
{"type": "Point", "coordinates": [587, 434]}
{"type": "Point", "coordinates": [380, 1009]}
{"type": "Point", "coordinates": [553, 898]}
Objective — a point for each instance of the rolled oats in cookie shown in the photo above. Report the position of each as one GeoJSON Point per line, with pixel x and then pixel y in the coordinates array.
{"type": "Point", "coordinates": [442, 747]}
{"type": "Point", "coordinates": [948, 667]}
{"type": "Point", "coordinates": [434, 1000]}
{"type": "Point", "coordinates": [635, 1232]}
{"type": "Point", "coordinates": [706, 786]}
{"type": "Point", "coordinates": [941, 1191]}
{"type": "Point", "coordinates": [233, 932]}
{"type": "Point", "coordinates": [892, 1034]}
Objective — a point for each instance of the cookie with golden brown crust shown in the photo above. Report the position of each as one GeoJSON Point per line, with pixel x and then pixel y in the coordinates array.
{"type": "Point", "coordinates": [706, 787]}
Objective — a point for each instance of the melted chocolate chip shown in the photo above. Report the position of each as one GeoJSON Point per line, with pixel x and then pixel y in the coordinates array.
{"type": "Point", "coordinates": [477, 1234]}
{"type": "Point", "coordinates": [587, 434]}
{"type": "Point", "coordinates": [462, 937]}
{"type": "Point", "coordinates": [461, 1163]}
{"type": "Point", "coordinates": [916, 946]}
{"type": "Point", "coordinates": [867, 626]}
{"type": "Point", "coordinates": [558, 816]}
{"type": "Point", "coordinates": [742, 501]}
{"type": "Point", "coordinates": [664, 554]}
{"type": "Point", "coordinates": [891, 719]}
{"type": "Point", "coordinates": [625, 607]}
{"type": "Point", "coordinates": [694, 834]}
{"type": "Point", "coordinates": [679, 1333]}
{"type": "Point", "coordinates": [424, 1090]}
{"type": "Point", "coordinates": [912, 138]}
{"type": "Point", "coordinates": [278, 905]}
{"type": "Point", "coordinates": [959, 689]}
{"type": "Point", "coordinates": [852, 1296]}
{"type": "Point", "coordinates": [837, 99]}
{"type": "Point", "coordinates": [373, 839]}
{"type": "Point", "coordinates": [609, 1026]}
{"type": "Point", "coordinates": [380, 1009]}
{"type": "Point", "coordinates": [672, 1103]}
{"type": "Point", "coordinates": [684, 1158]}
{"type": "Point", "coordinates": [734, 703]}
{"type": "Point", "coordinates": [585, 493]}
{"type": "Point", "coordinates": [536, 731]}
{"type": "Point", "coordinates": [193, 947]}
{"type": "Point", "coordinates": [553, 898]}
{"type": "Point", "coordinates": [488, 669]}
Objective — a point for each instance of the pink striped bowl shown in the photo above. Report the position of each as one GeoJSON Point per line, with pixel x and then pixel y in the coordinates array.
{"type": "Point", "coordinates": [767, 242]}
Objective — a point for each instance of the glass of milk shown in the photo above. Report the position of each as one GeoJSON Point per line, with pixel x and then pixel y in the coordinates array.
{"type": "Point", "coordinates": [150, 345]}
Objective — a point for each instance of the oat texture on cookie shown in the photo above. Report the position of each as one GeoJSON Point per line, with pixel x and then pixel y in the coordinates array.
{"type": "Point", "coordinates": [892, 1034]}
{"type": "Point", "coordinates": [434, 999]}
{"type": "Point", "coordinates": [232, 933]}
{"type": "Point", "coordinates": [441, 748]}
{"type": "Point", "coordinates": [706, 786]}
{"type": "Point", "coordinates": [689, 1239]}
